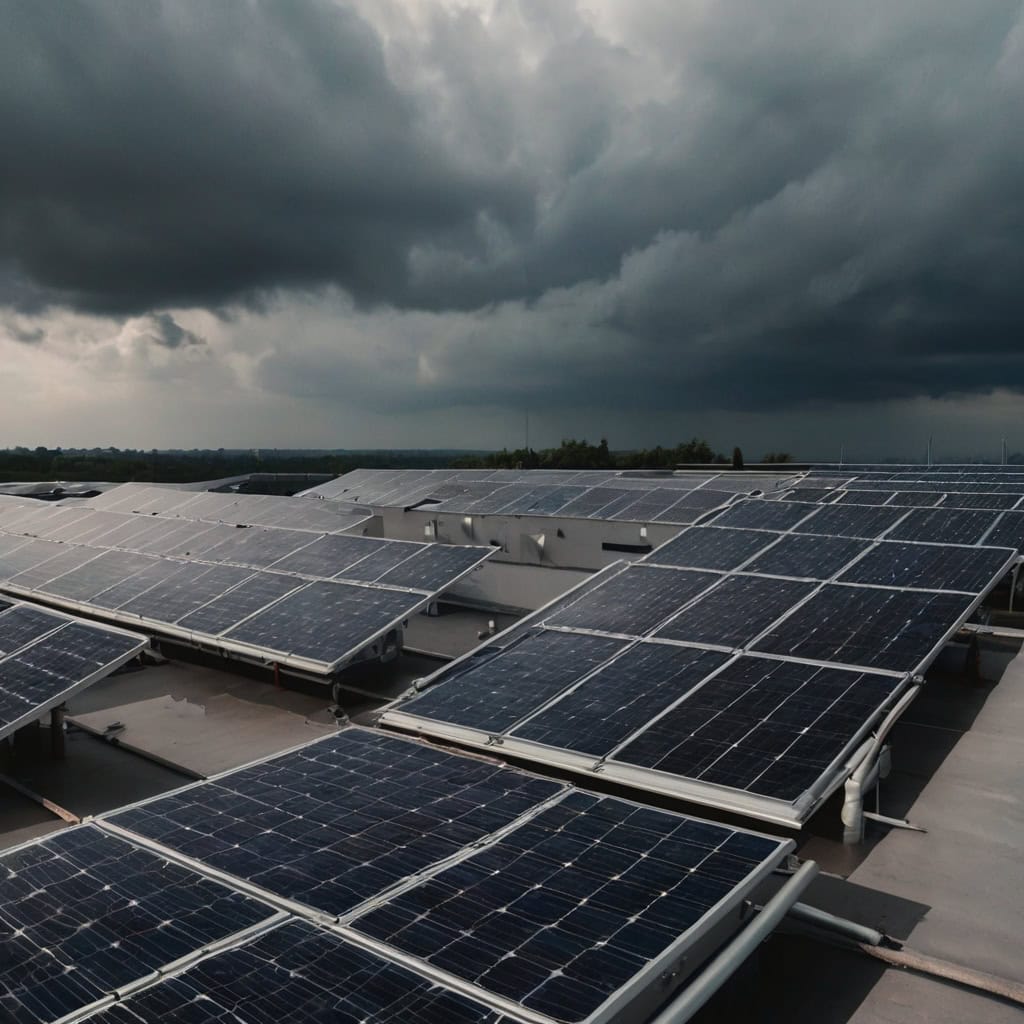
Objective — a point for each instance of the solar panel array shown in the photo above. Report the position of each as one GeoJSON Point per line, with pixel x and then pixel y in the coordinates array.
{"type": "Point", "coordinates": [410, 884]}
{"type": "Point", "coordinates": [218, 507]}
{"type": "Point", "coordinates": [740, 664]}
{"type": "Point", "coordinates": [47, 657]}
{"type": "Point", "coordinates": [588, 494]}
{"type": "Point", "coordinates": [296, 597]}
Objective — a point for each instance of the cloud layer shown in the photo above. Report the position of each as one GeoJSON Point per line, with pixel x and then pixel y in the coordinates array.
{"type": "Point", "coordinates": [420, 207]}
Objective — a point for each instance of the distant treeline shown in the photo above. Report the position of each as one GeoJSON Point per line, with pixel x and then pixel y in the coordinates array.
{"type": "Point", "coordinates": [118, 465]}
{"type": "Point", "coordinates": [177, 466]}
{"type": "Point", "coordinates": [573, 454]}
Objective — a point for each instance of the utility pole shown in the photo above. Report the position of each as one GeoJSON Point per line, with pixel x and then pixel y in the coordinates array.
{"type": "Point", "coordinates": [842, 454]}
{"type": "Point", "coordinates": [929, 449]}
{"type": "Point", "coordinates": [1003, 460]}
{"type": "Point", "coordinates": [527, 433]}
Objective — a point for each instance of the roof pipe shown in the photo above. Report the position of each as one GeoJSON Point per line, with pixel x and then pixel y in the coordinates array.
{"type": "Point", "coordinates": [865, 773]}
{"type": "Point", "coordinates": [723, 966]}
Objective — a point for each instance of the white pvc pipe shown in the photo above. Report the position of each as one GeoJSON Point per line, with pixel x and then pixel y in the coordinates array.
{"type": "Point", "coordinates": [723, 966]}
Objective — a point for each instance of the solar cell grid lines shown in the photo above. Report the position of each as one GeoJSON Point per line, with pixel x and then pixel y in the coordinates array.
{"type": "Point", "coordinates": [929, 566]}
{"type": "Point", "coordinates": [806, 556]}
{"type": "Point", "coordinates": [46, 657]}
{"type": "Point", "coordinates": [758, 514]}
{"type": "Point", "coordinates": [220, 593]}
{"type": "Point", "coordinates": [340, 820]}
{"type": "Point", "coordinates": [85, 913]}
{"type": "Point", "coordinates": [710, 547]}
{"type": "Point", "coordinates": [864, 626]}
{"type": "Point", "coordinates": [604, 495]}
{"type": "Point", "coordinates": [567, 909]}
{"type": "Point", "coordinates": [766, 727]}
{"type": "Point", "coordinates": [598, 714]}
{"type": "Point", "coordinates": [864, 521]}
{"type": "Point", "coordinates": [735, 612]}
{"type": "Point", "coordinates": [946, 526]}
{"type": "Point", "coordinates": [298, 973]}
{"type": "Point", "coordinates": [493, 694]}
{"type": "Point", "coordinates": [634, 601]}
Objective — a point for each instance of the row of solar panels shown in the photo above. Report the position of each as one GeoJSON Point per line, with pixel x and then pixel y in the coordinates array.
{"type": "Point", "coordinates": [366, 877]}
{"type": "Point", "coordinates": [308, 601]}
{"type": "Point", "coordinates": [214, 507]}
{"type": "Point", "coordinates": [679, 499]}
{"type": "Point", "coordinates": [46, 658]}
{"type": "Point", "coordinates": [741, 664]}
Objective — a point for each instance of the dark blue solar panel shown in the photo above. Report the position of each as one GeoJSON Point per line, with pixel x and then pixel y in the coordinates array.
{"type": "Point", "coordinates": [256, 592]}
{"type": "Point", "coordinates": [329, 556]}
{"type": "Point", "coordinates": [634, 601]}
{"type": "Point", "coordinates": [192, 587]}
{"type": "Point", "coordinates": [983, 500]}
{"type": "Point", "coordinates": [23, 624]}
{"type": "Point", "coordinates": [103, 572]}
{"type": "Point", "coordinates": [808, 557]}
{"type": "Point", "coordinates": [325, 621]}
{"type": "Point", "coordinates": [866, 497]}
{"type": "Point", "coordinates": [852, 520]}
{"type": "Point", "coordinates": [928, 566]}
{"type": "Point", "coordinates": [812, 494]}
{"type": "Point", "coordinates": [708, 547]}
{"type": "Point", "coordinates": [916, 499]}
{"type": "Point", "coordinates": [1008, 532]}
{"type": "Point", "coordinates": [757, 514]}
{"type": "Point", "coordinates": [83, 913]}
{"type": "Point", "coordinates": [766, 727]}
{"type": "Point", "coordinates": [887, 629]}
{"type": "Point", "coordinates": [339, 821]}
{"type": "Point", "coordinates": [42, 674]}
{"type": "Point", "coordinates": [620, 698]}
{"type": "Point", "coordinates": [433, 567]}
{"type": "Point", "coordinates": [298, 974]}
{"type": "Point", "coordinates": [384, 559]}
{"type": "Point", "coordinates": [497, 686]}
{"type": "Point", "coordinates": [736, 611]}
{"type": "Point", "coordinates": [945, 526]}
{"type": "Point", "coordinates": [563, 912]}
{"type": "Point", "coordinates": [256, 547]}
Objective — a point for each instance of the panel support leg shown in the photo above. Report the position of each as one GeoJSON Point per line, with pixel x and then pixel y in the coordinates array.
{"type": "Point", "coordinates": [57, 745]}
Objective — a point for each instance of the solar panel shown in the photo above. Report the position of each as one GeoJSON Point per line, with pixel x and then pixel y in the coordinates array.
{"type": "Point", "coordinates": [808, 557]}
{"type": "Point", "coordinates": [324, 621]}
{"type": "Point", "coordinates": [866, 497]}
{"type": "Point", "coordinates": [563, 913]}
{"type": "Point", "coordinates": [852, 521]}
{"type": "Point", "coordinates": [945, 526]}
{"type": "Point", "coordinates": [255, 593]}
{"type": "Point", "coordinates": [599, 713]}
{"type": "Point", "coordinates": [84, 913]}
{"type": "Point", "coordinates": [634, 601]}
{"type": "Point", "coordinates": [328, 556]}
{"type": "Point", "coordinates": [534, 668]}
{"type": "Point", "coordinates": [341, 820]}
{"type": "Point", "coordinates": [869, 627]}
{"type": "Point", "coordinates": [736, 611]}
{"type": "Point", "coordinates": [757, 514]}
{"type": "Point", "coordinates": [930, 566]}
{"type": "Point", "coordinates": [771, 728]}
{"type": "Point", "coordinates": [705, 547]}
{"type": "Point", "coordinates": [211, 590]}
{"type": "Point", "coordinates": [1008, 532]}
{"type": "Point", "coordinates": [46, 657]}
{"type": "Point", "coordinates": [298, 974]}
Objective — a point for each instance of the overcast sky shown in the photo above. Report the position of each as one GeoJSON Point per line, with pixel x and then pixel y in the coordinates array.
{"type": "Point", "coordinates": [412, 222]}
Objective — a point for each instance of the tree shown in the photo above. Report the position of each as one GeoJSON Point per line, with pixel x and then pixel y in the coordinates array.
{"type": "Point", "coordinates": [737, 458]}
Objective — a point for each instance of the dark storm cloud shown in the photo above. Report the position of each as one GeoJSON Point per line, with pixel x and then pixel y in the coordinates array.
{"type": "Point", "coordinates": [162, 329]}
{"type": "Point", "coordinates": [194, 154]}
{"type": "Point", "coordinates": [705, 206]}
